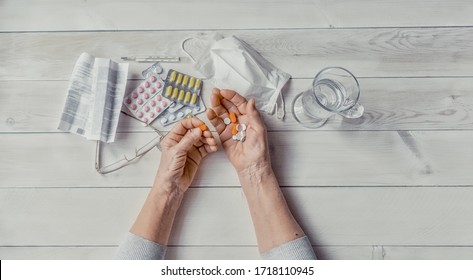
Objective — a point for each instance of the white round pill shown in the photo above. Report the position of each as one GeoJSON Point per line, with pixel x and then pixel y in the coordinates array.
{"type": "Point", "coordinates": [164, 120]}
{"type": "Point", "coordinates": [180, 114]}
{"type": "Point", "coordinates": [226, 121]}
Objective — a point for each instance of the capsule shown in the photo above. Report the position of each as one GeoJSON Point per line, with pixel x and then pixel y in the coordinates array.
{"type": "Point", "coordinates": [197, 84]}
{"type": "Point", "coordinates": [234, 129]}
{"type": "Point", "coordinates": [172, 78]}
{"type": "Point", "coordinates": [191, 82]}
{"type": "Point", "coordinates": [175, 93]}
{"type": "Point", "coordinates": [233, 117]}
{"type": "Point", "coordinates": [185, 80]}
{"type": "Point", "coordinates": [168, 91]}
{"type": "Point", "coordinates": [187, 99]}
{"type": "Point", "coordinates": [179, 78]}
{"type": "Point", "coordinates": [181, 96]}
{"type": "Point", "coordinates": [194, 99]}
{"type": "Point", "coordinates": [203, 127]}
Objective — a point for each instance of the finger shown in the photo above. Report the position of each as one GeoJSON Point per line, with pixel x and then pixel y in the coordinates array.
{"type": "Point", "coordinates": [253, 113]}
{"type": "Point", "coordinates": [230, 107]}
{"type": "Point", "coordinates": [184, 125]}
{"type": "Point", "coordinates": [235, 98]}
{"type": "Point", "coordinates": [189, 139]}
{"type": "Point", "coordinates": [216, 121]}
{"type": "Point", "coordinates": [215, 101]}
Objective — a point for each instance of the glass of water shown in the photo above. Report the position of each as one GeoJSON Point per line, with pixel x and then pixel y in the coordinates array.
{"type": "Point", "coordinates": [335, 90]}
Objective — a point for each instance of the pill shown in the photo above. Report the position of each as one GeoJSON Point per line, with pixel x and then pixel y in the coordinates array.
{"type": "Point", "coordinates": [141, 89]}
{"type": "Point", "coordinates": [241, 127]}
{"type": "Point", "coordinates": [175, 93]}
{"type": "Point", "coordinates": [243, 138]}
{"type": "Point", "coordinates": [146, 108]}
{"type": "Point", "coordinates": [140, 101]}
{"type": "Point", "coordinates": [172, 78]}
{"type": "Point", "coordinates": [172, 117]}
{"type": "Point", "coordinates": [164, 103]}
{"type": "Point", "coordinates": [134, 95]}
{"type": "Point", "coordinates": [185, 80]}
{"type": "Point", "coordinates": [128, 101]}
{"type": "Point", "coordinates": [234, 137]}
{"type": "Point", "coordinates": [187, 99]}
{"type": "Point", "coordinates": [158, 109]}
{"type": "Point", "coordinates": [151, 115]}
{"type": "Point", "coordinates": [181, 96]}
{"type": "Point", "coordinates": [191, 82]}
{"type": "Point", "coordinates": [226, 121]}
{"type": "Point", "coordinates": [233, 117]}
{"type": "Point", "coordinates": [146, 96]}
{"type": "Point", "coordinates": [180, 114]}
{"type": "Point", "coordinates": [194, 99]}
{"type": "Point", "coordinates": [179, 78]}
{"type": "Point", "coordinates": [168, 91]}
{"type": "Point", "coordinates": [147, 84]}
{"type": "Point", "coordinates": [140, 114]}
{"type": "Point", "coordinates": [164, 120]}
{"type": "Point", "coordinates": [159, 85]}
{"type": "Point", "coordinates": [197, 84]}
{"type": "Point", "coordinates": [145, 120]}
{"type": "Point", "coordinates": [158, 97]}
{"type": "Point", "coordinates": [152, 90]}
{"type": "Point", "coordinates": [234, 130]}
{"type": "Point", "coordinates": [152, 103]}
{"type": "Point", "coordinates": [203, 127]}
{"type": "Point", "coordinates": [153, 79]}
{"type": "Point", "coordinates": [133, 107]}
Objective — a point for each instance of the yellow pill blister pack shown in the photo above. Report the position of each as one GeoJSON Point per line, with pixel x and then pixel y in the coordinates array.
{"type": "Point", "coordinates": [182, 88]}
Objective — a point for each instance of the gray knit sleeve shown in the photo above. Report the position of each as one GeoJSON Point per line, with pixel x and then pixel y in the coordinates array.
{"type": "Point", "coordinates": [137, 248]}
{"type": "Point", "coordinates": [298, 249]}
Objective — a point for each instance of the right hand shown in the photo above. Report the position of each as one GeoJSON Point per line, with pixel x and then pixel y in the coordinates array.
{"type": "Point", "coordinates": [252, 154]}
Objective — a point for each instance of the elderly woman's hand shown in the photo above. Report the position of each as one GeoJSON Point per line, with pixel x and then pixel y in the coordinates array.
{"type": "Point", "coordinates": [252, 154]}
{"type": "Point", "coordinates": [183, 149]}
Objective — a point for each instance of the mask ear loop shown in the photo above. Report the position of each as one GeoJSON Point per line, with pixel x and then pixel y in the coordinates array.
{"type": "Point", "coordinates": [184, 50]}
{"type": "Point", "coordinates": [280, 107]}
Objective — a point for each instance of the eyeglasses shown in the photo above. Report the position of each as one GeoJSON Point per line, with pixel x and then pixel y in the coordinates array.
{"type": "Point", "coordinates": [125, 161]}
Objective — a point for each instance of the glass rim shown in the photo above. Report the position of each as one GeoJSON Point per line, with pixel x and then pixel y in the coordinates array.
{"type": "Point", "coordinates": [323, 71]}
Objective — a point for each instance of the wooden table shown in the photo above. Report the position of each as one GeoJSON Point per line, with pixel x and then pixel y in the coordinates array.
{"type": "Point", "coordinates": [395, 184]}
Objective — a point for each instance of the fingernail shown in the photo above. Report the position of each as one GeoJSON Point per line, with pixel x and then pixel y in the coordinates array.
{"type": "Point", "coordinates": [197, 131]}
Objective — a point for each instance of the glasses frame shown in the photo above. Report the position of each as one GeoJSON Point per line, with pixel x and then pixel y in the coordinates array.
{"type": "Point", "coordinates": [125, 161]}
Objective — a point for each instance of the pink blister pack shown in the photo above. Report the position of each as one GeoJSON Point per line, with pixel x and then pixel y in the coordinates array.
{"type": "Point", "coordinates": [146, 101]}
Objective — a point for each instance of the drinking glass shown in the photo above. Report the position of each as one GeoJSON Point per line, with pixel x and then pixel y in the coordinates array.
{"type": "Point", "coordinates": [335, 90]}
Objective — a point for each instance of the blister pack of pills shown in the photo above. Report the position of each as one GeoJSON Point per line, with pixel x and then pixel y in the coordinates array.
{"type": "Point", "coordinates": [146, 101]}
{"type": "Point", "coordinates": [183, 89]}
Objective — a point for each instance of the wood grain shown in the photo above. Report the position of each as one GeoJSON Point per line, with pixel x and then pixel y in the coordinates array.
{"type": "Point", "coordinates": [309, 158]}
{"type": "Point", "coordinates": [377, 52]}
{"type": "Point", "coordinates": [390, 104]}
{"type": "Point", "coordinates": [357, 216]}
{"type": "Point", "coordinates": [146, 15]}
{"type": "Point", "coordinates": [177, 253]}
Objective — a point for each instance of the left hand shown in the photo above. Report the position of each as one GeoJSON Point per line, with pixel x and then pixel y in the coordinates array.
{"type": "Point", "coordinates": [183, 149]}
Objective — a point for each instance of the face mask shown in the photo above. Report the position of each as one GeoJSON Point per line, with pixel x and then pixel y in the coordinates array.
{"type": "Point", "coordinates": [231, 63]}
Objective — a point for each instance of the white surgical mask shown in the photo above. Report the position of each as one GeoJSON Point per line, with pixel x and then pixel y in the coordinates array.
{"type": "Point", "coordinates": [231, 63]}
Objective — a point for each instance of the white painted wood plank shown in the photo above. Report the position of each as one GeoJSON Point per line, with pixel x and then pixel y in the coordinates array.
{"type": "Point", "coordinates": [309, 158]}
{"type": "Point", "coordinates": [390, 104]}
{"type": "Point", "coordinates": [176, 253]}
{"type": "Point", "coordinates": [241, 253]}
{"type": "Point", "coordinates": [378, 52]}
{"type": "Point", "coordinates": [17, 15]}
{"type": "Point", "coordinates": [428, 253]}
{"type": "Point", "coordinates": [357, 216]}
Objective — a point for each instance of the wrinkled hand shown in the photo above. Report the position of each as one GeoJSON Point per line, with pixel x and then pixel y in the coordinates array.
{"type": "Point", "coordinates": [253, 152]}
{"type": "Point", "coordinates": [183, 149]}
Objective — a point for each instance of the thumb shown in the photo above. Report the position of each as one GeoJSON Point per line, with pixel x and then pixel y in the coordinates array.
{"type": "Point", "coordinates": [192, 136]}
